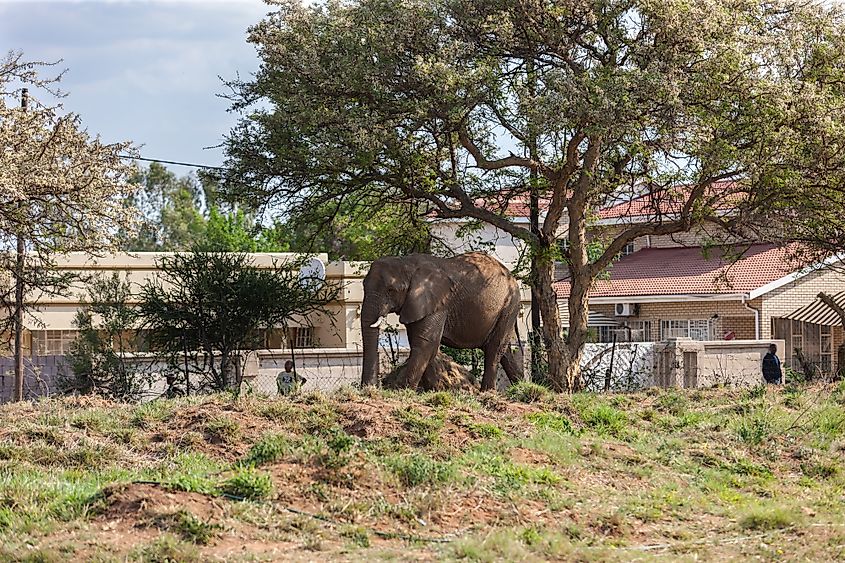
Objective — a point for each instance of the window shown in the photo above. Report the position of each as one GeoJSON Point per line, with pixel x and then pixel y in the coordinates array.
{"type": "Point", "coordinates": [825, 348]}
{"type": "Point", "coordinates": [302, 337]}
{"type": "Point", "coordinates": [696, 329]}
{"type": "Point", "coordinates": [797, 335]}
{"type": "Point", "coordinates": [640, 330]}
{"type": "Point", "coordinates": [52, 342]}
{"type": "Point", "coordinates": [628, 248]}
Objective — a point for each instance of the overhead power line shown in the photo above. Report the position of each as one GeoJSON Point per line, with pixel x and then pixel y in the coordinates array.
{"type": "Point", "coordinates": [175, 162]}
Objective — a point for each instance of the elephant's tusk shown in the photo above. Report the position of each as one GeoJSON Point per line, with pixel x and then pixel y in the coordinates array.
{"type": "Point", "coordinates": [377, 324]}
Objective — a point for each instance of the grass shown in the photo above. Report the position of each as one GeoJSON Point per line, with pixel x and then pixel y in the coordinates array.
{"type": "Point", "coordinates": [525, 476]}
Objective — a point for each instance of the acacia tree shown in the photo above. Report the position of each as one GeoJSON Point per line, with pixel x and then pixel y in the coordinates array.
{"type": "Point", "coordinates": [60, 190]}
{"type": "Point", "coordinates": [706, 110]}
{"type": "Point", "coordinates": [206, 309]}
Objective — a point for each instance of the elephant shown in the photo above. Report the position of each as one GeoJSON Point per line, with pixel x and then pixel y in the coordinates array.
{"type": "Point", "coordinates": [468, 301]}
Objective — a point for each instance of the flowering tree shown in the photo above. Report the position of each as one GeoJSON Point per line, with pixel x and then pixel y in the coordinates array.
{"type": "Point", "coordinates": [711, 112]}
{"type": "Point", "coordinates": [61, 190]}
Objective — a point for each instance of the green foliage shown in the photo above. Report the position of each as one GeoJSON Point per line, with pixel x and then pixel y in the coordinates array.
{"type": "Point", "coordinates": [551, 421]}
{"type": "Point", "coordinates": [754, 428]}
{"type": "Point", "coordinates": [223, 429]}
{"type": "Point", "coordinates": [486, 430]}
{"type": "Point", "coordinates": [98, 354]}
{"type": "Point", "coordinates": [248, 483]}
{"type": "Point", "coordinates": [605, 419]}
{"type": "Point", "coordinates": [213, 306]}
{"type": "Point", "coordinates": [770, 518]}
{"type": "Point", "coordinates": [269, 448]}
{"type": "Point", "coordinates": [418, 469]}
{"type": "Point", "coordinates": [189, 527]}
{"type": "Point", "coordinates": [426, 429]}
{"type": "Point", "coordinates": [527, 392]}
{"type": "Point", "coordinates": [167, 548]}
{"type": "Point", "coordinates": [441, 399]}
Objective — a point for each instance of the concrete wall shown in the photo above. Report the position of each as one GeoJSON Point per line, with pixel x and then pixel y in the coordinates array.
{"type": "Point", "coordinates": [689, 363]}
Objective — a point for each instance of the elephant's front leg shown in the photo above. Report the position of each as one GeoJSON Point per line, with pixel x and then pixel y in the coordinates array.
{"type": "Point", "coordinates": [424, 337]}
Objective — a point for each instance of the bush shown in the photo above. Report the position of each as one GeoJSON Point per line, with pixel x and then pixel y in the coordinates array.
{"type": "Point", "coordinates": [415, 469]}
{"type": "Point", "coordinates": [771, 518]}
{"type": "Point", "coordinates": [249, 484]}
{"type": "Point", "coordinates": [270, 448]}
{"type": "Point", "coordinates": [551, 421]}
{"type": "Point", "coordinates": [527, 392]}
{"type": "Point", "coordinates": [754, 429]}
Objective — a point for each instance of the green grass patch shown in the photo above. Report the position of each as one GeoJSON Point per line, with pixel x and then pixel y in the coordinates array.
{"type": "Point", "coordinates": [189, 527]}
{"type": "Point", "coordinates": [248, 484]}
{"type": "Point", "coordinates": [269, 448]}
{"type": "Point", "coordinates": [167, 549]}
{"type": "Point", "coordinates": [527, 392]}
{"type": "Point", "coordinates": [770, 518]}
{"type": "Point", "coordinates": [551, 421]}
{"type": "Point", "coordinates": [485, 430]}
{"type": "Point", "coordinates": [417, 469]}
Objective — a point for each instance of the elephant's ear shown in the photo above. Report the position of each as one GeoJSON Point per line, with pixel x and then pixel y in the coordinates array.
{"type": "Point", "coordinates": [429, 291]}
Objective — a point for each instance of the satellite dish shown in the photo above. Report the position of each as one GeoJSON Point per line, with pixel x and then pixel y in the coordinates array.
{"type": "Point", "coordinates": [312, 273]}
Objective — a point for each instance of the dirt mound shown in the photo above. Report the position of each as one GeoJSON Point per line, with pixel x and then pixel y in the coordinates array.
{"type": "Point", "coordinates": [142, 503]}
{"type": "Point", "coordinates": [442, 374]}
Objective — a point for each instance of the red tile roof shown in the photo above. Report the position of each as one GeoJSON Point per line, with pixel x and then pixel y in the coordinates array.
{"type": "Point", "coordinates": [677, 271]}
{"type": "Point", "coordinates": [658, 203]}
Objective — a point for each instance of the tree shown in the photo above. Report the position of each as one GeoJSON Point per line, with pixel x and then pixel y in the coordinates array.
{"type": "Point", "coordinates": [98, 356]}
{"type": "Point", "coordinates": [60, 189]}
{"type": "Point", "coordinates": [206, 309]}
{"type": "Point", "coordinates": [707, 111]}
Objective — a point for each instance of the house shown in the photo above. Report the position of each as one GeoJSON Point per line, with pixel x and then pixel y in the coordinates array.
{"type": "Point", "coordinates": [678, 286]}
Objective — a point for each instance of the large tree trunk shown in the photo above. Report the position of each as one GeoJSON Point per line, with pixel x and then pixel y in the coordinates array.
{"type": "Point", "coordinates": [577, 337]}
{"type": "Point", "coordinates": [552, 334]}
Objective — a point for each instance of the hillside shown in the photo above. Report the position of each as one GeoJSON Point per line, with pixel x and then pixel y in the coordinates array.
{"type": "Point", "coordinates": [714, 474]}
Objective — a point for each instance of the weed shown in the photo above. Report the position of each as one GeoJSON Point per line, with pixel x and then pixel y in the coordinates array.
{"type": "Point", "coordinates": [424, 428]}
{"type": "Point", "coordinates": [441, 399]}
{"type": "Point", "coordinates": [754, 429]}
{"type": "Point", "coordinates": [189, 527]}
{"type": "Point", "coordinates": [417, 469]}
{"type": "Point", "coordinates": [819, 469]}
{"type": "Point", "coordinates": [358, 535]}
{"type": "Point", "coordinates": [278, 411]}
{"type": "Point", "coordinates": [755, 393]}
{"type": "Point", "coordinates": [268, 449]}
{"type": "Point", "coordinates": [673, 402]}
{"type": "Point", "coordinates": [247, 483]}
{"type": "Point", "coordinates": [769, 518]}
{"type": "Point", "coordinates": [527, 392]}
{"type": "Point", "coordinates": [151, 412]}
{"type": "Point", "coordinates": [485, 430]}
{"type": "Point", "coordinates": [551, 421]}
{"type": "Point", "coordinates": [223, 429]}
{"type": "Point", "coordinates": [605, 420]}
{"type": "Point", "coordinates": [320, 419]}
{"type": "Point", "coordinates": [167, 549]}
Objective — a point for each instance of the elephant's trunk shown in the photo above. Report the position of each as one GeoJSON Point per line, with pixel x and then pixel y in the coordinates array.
{"type": "Point", "coordinates": [369, 317]}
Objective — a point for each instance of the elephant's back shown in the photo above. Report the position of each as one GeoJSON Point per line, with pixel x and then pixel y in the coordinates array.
{"type": "Point", "coordinates": [483, 278]}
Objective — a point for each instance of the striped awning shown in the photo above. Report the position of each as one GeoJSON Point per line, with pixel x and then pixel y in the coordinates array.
{"type": "Point", "coordinates": [597, 319]}
{"type": "Point", "coordinates": [818, 313]}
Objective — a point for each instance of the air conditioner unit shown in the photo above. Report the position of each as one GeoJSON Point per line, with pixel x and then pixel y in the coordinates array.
{"type": "Point", "coordinates": [625, 310]}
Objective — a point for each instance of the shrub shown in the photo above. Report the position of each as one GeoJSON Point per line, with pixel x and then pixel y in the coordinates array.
{"type": "Point", "coordinates": [247, 483]}
{"type": "Point", "coordinates": [415, 469]}
{"type": "Point", "coordinates": [527, 392]}
{"type": "Point", "coordinates": [754, 429]}
{"type": "Point", "coordinates": [189, 527]}
{"type": "Point", "coordinates": [485, 430]}
{"type": "Point", "coordinates": [605, 419]}
{"type": "Point", "coordinates": [769, 518]}
{"type": "Point", "coordinates": [270, 448]}
{"type": "Point", "coordinates": [551, 421]}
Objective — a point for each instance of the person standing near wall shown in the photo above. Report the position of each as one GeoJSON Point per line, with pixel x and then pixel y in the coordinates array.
{"type": "Point", "coordinates": [288, 382]}
{"type": "Point", "coordinates": [772, 372]}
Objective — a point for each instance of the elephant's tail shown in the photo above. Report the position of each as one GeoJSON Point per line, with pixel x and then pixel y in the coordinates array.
{"type": "Point", "coordinates": [518, 339]}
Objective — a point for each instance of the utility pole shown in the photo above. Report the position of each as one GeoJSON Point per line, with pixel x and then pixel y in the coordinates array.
{"type": "Point", "coordinates": [19, 291]}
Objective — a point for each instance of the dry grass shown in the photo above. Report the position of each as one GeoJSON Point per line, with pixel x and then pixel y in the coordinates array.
{"type": "Point", "coordinates": [713, 474]}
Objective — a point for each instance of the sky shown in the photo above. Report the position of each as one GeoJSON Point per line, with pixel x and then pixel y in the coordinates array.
{"type": "Point", "coordinates": [142, 71]}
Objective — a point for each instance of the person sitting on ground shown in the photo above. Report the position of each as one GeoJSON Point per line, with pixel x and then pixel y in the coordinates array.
{"type": "Point", "coordinates": [772, 372]}
{"type": "Point", "coordinates": [288, 382]}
